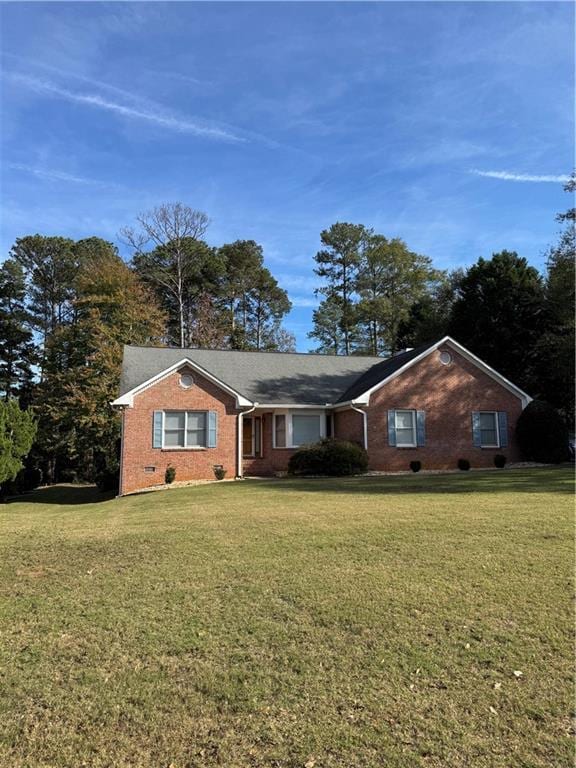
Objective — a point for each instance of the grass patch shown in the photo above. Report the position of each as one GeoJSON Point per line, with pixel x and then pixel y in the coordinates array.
{"type": "Point", "coordinates": [357, 622]}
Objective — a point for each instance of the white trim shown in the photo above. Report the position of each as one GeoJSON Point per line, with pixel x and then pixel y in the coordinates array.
{"type": "Point", "coordinates": [128, 397]}
{"type": "Point", "coordinates": [185, 447]}
{"type": "Point", "coordinates": [497, 422]}
{"type": "Point", "coordinates": [294, 406]}
{"type": "Point", "coordinates": [412, 412]}
{"type": "Point", "coordinates": [364, 398]}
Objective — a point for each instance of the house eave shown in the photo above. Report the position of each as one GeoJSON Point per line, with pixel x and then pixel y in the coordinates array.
{"type": "Point", "coordinates": [364, 398]}
{"type": "Point", "coordinates": [127, 399]}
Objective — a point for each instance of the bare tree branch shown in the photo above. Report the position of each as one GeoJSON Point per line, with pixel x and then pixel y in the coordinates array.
{"type": "Point", "coordinates": [168, 227]}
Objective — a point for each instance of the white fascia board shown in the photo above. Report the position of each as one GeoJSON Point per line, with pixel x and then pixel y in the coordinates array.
{"type": "Point", "coordinates": [293, 406]}
{"type": "Point", "coordinates": [523, 396]}
{"type": "Point", "coordinates": [364, 398]}
{"type": "Point", "coordinates": [127, 399]}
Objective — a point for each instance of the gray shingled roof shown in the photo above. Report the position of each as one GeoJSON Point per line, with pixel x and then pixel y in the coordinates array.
{"type": "Point", "coordinates": [267, 377]}
{"type": "Point", "coordinates": [384, 368]}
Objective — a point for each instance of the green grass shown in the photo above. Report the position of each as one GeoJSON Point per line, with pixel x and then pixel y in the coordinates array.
{"type": "Point", "coordinates": [357, 622]}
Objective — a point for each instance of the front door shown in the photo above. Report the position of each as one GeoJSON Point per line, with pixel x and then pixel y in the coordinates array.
{"type": "Point", "coordinates": [251, 436]}
{"type": "Point", "coordinates": [248, 436]}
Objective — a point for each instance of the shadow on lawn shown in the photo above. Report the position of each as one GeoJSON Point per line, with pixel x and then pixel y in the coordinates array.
{"type": "Point", "coordinates": [65, 495]}
{"type": "Point", "coordinates": [538, 480]}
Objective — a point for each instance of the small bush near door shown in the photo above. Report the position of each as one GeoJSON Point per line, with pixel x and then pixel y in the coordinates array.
{"type": "Point", "coordinates": [335, 458]}
{"type": "Point", "coordinates": [219, 472]}
{"type": "Point", "coordinates": [500, 461]}
{"type": "Point", "coordinates": [463, 465]}
{"type": "Point", "coordinates": [170, 475]}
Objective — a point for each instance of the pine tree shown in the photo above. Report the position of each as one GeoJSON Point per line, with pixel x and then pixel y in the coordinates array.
{"type": "Point", "coordinates": [338, 264]}
{"type": "Point", "coordinates": [50, 267]}
{"type": "Point", "coordinates": [17, 353]}
{"type": "Point", "coordinates": [327, 327]}
{"type": "Point", "coordinates": [391, 279]}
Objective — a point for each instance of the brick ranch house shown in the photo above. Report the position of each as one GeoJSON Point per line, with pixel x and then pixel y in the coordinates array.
{"type": "Point", "coordinates": [196, 409]}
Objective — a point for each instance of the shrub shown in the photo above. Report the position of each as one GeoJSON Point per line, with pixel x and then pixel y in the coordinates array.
{"type": "Point", "coordinates": [68, 476]}
{"type": "Point", "coordinates": [415, 466]}
{"type": "Point", "coordinates": [25, 481]}
{"type": "Point", "coordinates": [108, 480]}
{"type": "Point", "coordinates": [542, 434]}
{"type": "Point", "coordinates": [219, 472]}
{"type": "Point", "coordinates": [307, 461]}
{"type": "Point", "coordinates": [463, 465]}
{"type": "Point", "coordinates": [334, 458]}
{"type": "Point", "coordinates": [500, 460]}
{"type": "Point", "coordinates": [170, 475]}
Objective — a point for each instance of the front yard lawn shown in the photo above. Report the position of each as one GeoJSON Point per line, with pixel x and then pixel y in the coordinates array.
{"type": "Point", "coordinates": [382, 621]}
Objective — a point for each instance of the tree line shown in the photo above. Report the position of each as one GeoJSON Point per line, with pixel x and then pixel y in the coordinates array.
{"type": "Point", "coordinates": [68, 307]}
{"type": "Point", "coordinates": [379, 297]}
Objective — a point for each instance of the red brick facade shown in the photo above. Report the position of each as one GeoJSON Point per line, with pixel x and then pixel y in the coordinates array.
{"type": "Point", "coordinates": [448, 394]}
{"type": "Point", "coordinates": [272, 459]}
{"type": "Point", "coordinates": [190, 464]}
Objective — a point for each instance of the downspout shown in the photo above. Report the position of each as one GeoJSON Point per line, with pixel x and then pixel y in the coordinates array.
{"type": "Point", "coordinates": [121, 467]}
{"type": "Point", "coordinates": [364, 424]}
{"type": "Point", "coordinates": [239, 441]}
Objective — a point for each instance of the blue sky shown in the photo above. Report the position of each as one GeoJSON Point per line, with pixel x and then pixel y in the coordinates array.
{"type": "Point", "coordinates": [422, 120]}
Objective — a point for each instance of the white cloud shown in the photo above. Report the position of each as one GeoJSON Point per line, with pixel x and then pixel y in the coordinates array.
{"type": "Point", "coordinates": [55, 175]}
{"type": "Point", "coordinates": [304, 301]}
{"type": "Point", "coordinates": [507, 176]}
{"type": "Point", "coordinates": [94, 100]}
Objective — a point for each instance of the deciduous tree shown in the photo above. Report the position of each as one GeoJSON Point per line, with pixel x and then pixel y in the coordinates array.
{"type": "Point", "coordinates": [112, 307]}
{"type": "Point", "coordinates": [17, 431]}
{"type": "Point", "coordinates": [173, 230]}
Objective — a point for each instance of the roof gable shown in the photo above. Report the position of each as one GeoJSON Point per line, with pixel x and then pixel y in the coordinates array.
{"type": "Point", "coordinates": [256, 377]}
{"type": "Point", "coordinates": [389, 369]}
{"type": "Point", "coordinates": [281, 378]}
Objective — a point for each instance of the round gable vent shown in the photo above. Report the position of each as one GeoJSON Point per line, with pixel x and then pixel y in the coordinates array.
{"type": "Point", "coordinates": [186, 380]}
{"type": "Point", "coordinates": [445, 358]}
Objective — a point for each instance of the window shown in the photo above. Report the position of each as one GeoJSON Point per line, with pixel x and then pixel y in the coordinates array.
{"type": "Point", "coordinates": [174, 429]}
{"type": "Point", "coordinates": [489, 429]}
{"type": "Point", "coordinates": [445, 358]}
{"type": "Point", "coordinates": [293, 429]}
{"type": "Point", "coordinates": [280, 430]}
{"type": "Point", "coordinates": [406, 429]}
{"type": "Point", "coordinates": [185, 429]}
{"type": "Point", "coordinates": [196, 429]}
{"type": "Point", "coordinates": [186, 380]}
{"type": "Point", "coordinates": [305, 429]}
